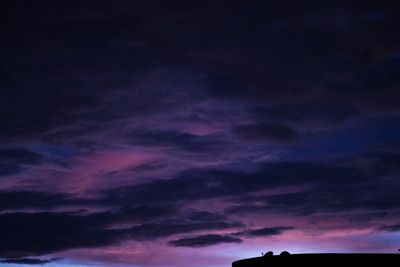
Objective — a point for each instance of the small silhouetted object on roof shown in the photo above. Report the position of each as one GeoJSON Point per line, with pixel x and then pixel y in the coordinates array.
{"type": "Point", "coordinates": [285, 259]}
{"type": "Point", "coordinates": [268, 254]}
{"type": "Point", "coordinates": [284, 253]}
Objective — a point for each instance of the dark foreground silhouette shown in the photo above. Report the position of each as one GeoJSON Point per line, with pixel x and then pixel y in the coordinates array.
{"type": "Point", "coordinates": [320, 260]}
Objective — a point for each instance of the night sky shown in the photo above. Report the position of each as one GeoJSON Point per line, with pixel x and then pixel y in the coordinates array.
{"type": "Point", "coordinates": [195, 133]}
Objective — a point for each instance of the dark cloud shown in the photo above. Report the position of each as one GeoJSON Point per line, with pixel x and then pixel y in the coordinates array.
{"type": "Point", "coordinates": [28, 261]}
{"type": "Point", "coordinates": [366, 183]}
{"type": "Point", "coordinates": [143, 213]}
{"type": "Point", "coordinates": [204, 240]}
{"type": "Point", "coordinates": [204, 184]}
{"type": "Point", "coordinates": [174, 139]}
{"type": "Point", "coordinates": [13, 160]}
{"type": "Point", "coordinates": [23, 200]}
{"type": "Point", "coordinates": [213, 239]}
{"type": "Point", "coordinates": [357, 183]}
{"type": "Point", "coordinates": [29, 234]}
{"type": "Point", "coordinates": [267, 132]}
{"type": "Point", "coordinates": [205, 216]}
{"type": "Point", "coordinates": [318, 62]}
{"type": "Point", "coordinates": [384, 163]}
{"type": "Point", "coordinates": [335, 199]}
{"type": "Point", "coordinates": [148, 167]}
{"type": "Point", "coordinates": [325, 112]}
{"type": "Point", "coordinates": [9, 169]}
{"type": "Point", "coordinates": [165, 229]}
{"type": "Point", "coordinates": [311, 63]}
{"type": "Point", "coordinates": [267, 231]}
{"type": "Point", "coordinates": [38, 233]}
{"type": "Point", "coordinates": [19, 155]}
{"type": "Point", "coordinates": [390, 228]}
{"type": "Point", "coordinates": [29, 199]}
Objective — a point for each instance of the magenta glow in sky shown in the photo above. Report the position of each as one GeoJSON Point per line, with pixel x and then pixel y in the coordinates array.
{"type": "Point", "coordinates": [174, 133]}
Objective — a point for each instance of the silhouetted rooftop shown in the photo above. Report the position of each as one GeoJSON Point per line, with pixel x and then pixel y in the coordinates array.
{"type": "Point", "coordinates": [320, 260]}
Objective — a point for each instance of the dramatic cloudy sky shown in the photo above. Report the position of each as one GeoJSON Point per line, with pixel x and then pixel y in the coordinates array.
{"type": "Point", "coordinates": [194, 133]}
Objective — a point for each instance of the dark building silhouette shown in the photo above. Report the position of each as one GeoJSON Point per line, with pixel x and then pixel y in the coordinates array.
{"type": "Point", "coordinates": [320, 260]}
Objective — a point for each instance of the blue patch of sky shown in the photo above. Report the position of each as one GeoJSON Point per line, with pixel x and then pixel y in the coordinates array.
{"type": "Point", "coordinates": [53, 151]}
{"type": "Point", "coordinates": [374, 134]}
